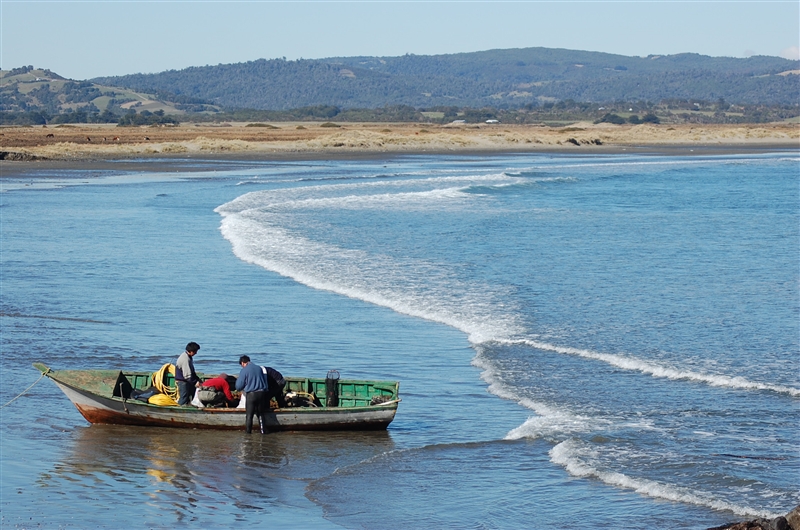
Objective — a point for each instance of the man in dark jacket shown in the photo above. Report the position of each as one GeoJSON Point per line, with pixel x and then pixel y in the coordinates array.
{"type": "Point", "coordinates": [276, 386]}
{"type": "Point", "coordinates": [252, 382]}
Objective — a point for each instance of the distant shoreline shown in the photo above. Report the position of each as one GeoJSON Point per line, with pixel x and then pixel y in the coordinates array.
{"type": "Point", "coordinates": [23, 149]}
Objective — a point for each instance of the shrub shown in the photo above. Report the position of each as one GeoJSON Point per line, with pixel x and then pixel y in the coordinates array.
{"type": "Point", "coordinates": [611, 118]}
{"type": "Point", "coordinates": [131, 119]}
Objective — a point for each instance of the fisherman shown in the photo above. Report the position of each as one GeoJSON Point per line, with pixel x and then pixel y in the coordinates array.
{"type": "Point", "coordinates": [220, 383]}
{"type": "Point", "coordinates": [276, 385]}
{"type": "Point", "coordinates": [253, 383]}
{"type": "Point", "coordinates": [185, 376]}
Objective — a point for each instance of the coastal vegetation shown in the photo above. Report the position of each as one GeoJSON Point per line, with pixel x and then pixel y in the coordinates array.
{"type": "Point", "coordinates": [134, 119]}
{"type": "Point", "coordinates": [259, 124]}
{"type": "Point", "coordinates": [556, 114]}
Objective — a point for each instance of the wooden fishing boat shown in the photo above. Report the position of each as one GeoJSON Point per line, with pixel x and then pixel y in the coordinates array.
{"type": "Point", "coordinates": [104, 396]}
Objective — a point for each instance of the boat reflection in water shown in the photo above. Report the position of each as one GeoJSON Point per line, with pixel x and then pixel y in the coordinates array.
{"type": "Point", "coordinates": [182, 476]}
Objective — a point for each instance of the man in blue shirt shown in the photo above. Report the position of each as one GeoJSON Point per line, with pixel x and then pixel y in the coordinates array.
{"type": "Point", "coordinates": [253, 382]}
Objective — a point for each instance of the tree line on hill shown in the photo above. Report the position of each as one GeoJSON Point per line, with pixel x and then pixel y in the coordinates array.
{"type": "Point", "coordinates": [533, 85]}
{"type": "Point", "coordinates": [129, 119]}
{"type": "Point", "coordinates": [496, 78]}
{"type": "Point", "coordinates": [559, 113]}
{"type": "Point", "coordinates": [669, 111]}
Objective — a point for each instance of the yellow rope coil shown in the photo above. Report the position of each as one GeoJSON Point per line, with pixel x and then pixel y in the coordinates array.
{"type": "Point", "coordinates": [162, 400]}
{"type": "Point", "coordinates": [159, 379]}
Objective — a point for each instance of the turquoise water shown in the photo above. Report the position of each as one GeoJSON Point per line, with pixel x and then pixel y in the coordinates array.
{"type": "Point", "coordinates": [581, 341]}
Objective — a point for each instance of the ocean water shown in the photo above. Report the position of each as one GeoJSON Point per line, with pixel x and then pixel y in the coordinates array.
{"type": "Point", "coordinates": [605, 341]}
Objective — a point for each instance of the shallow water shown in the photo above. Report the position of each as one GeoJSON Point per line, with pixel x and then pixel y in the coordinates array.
{"type": "Point", "coordinates": [580, 341]}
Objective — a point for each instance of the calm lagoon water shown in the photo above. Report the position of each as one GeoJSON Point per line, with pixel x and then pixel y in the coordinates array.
{"type": "Point", "coordinates": [599, 341]}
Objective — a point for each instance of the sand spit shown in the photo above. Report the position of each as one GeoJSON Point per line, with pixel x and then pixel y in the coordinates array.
{"type": "Point", "coordinates": [111, 142]}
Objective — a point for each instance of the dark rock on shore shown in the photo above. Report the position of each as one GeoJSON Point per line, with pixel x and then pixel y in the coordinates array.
{"type": "Point", "coordinates": [790, 522]}
{"type": "Point", "coordinates": [18, 157]}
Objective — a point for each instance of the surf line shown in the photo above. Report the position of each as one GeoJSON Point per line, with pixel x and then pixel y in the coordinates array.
{"type": "Point", "coordinates": [567, 454]}
{"type": "Point", "coordinates": [45, 317]}
{"type": "Point", "coordinates": [637, 365]}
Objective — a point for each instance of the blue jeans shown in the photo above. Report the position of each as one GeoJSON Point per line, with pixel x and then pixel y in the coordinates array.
{"type": "Point", "coordinates": [185, 392]}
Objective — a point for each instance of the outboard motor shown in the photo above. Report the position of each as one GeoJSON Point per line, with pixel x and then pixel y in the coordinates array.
{"type": "Point", "coordinates": [332, 388]}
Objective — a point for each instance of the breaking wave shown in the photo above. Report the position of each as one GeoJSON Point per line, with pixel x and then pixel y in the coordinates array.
{"type": "Point", "coordinates": [655, 370]}
{"type": "Point", "coordinates": [569, 454]}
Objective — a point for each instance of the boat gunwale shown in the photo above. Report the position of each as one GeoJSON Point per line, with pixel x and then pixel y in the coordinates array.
{"type": "Point", "coordinates": [53, 375]}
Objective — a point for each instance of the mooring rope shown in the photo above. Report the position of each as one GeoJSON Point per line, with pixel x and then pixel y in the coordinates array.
{"type": "Point", "coordinates": [23, 392]}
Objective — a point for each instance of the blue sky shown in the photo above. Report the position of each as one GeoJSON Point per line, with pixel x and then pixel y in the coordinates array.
{"type": "Point", "coordinates": [87, 39]}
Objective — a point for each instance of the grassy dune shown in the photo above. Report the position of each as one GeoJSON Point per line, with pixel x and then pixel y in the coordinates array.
{"type": "Point", "coordinates": [111, 142]}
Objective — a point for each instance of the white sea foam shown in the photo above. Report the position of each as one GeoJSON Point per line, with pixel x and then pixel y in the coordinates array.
{"type": "Point", "coordinates": [549, 423]}
{"type": "Point", "coordinates": [257, 224]}
{"type": "Point", "coordinates": [270, 228]}
{"type": "Point", "coordinates": [272, 198]}
{"type": "Point", "coordinates": [577, 457]}
{"type": "Point", "coordinates": [573, 456]}
{"type": "Point", "coordinates": [253, 224]}
{"type": "Point", "coordinates": [380, 280]}
{"type": "Point", "coordinates": [407, 200]}
{"type": "Point", "coordinates": [645, 367]}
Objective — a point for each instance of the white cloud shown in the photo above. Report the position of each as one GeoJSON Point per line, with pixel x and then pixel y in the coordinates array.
{"type": "Point", "coordinates": [792, 52]}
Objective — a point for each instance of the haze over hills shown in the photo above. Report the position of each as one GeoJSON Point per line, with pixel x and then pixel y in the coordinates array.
{"type": "Point", "coordinates": [496, 78]}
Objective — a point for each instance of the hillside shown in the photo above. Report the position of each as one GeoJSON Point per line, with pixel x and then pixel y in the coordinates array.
{"type": "Point", "coordinates": [496, 78]}
{"type": "Point", "coordinates": [35, 90]}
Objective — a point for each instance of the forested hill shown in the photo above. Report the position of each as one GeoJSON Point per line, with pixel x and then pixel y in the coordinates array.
{"type": "Point", "coordinates": [496, 78]}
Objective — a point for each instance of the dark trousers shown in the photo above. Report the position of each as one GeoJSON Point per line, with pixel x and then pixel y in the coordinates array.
{"type": "Point", "coordinates": [276, 391]}
{"type": "Point", "coordinates": [185, 392]}
{"type": "Point", "coordinates": [254, 404]}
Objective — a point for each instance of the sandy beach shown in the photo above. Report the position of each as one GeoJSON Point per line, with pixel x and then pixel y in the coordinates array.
{"type": "Point", "coordinates": [301, 140]}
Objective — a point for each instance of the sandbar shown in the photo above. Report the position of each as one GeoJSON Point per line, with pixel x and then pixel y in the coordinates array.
{"type": "Point", "coordinates": [23, 148]}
